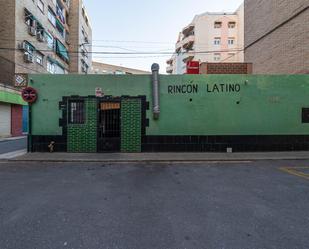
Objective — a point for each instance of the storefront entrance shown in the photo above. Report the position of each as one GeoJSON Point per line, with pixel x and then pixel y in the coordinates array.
{"type": "Point", "coordinates": [109, 126]}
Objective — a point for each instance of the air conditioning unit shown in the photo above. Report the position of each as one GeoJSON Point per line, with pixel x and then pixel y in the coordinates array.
{"type": "Point", "coordinates": [28, 57]}
{"type": "Point", "coordinates": [32, 31]}
{"type": "Point", "coordinates": [67, 39]}
{"type": "Point", "coordinates": [40, 37]}
{"type": "Point", "coordinates": [22, 46]}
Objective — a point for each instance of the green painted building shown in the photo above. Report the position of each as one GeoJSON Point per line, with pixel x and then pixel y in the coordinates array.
{"type": "Point", "coordinates": [196, 113]}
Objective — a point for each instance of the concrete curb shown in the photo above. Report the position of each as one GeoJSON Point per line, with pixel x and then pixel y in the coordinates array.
{"type": "Point", "coordinates": [12, 154]}
{"type": "Point", "coordinates": [234, 160]}
{"type": "Point", "coordinates": [2, 140]}
{"type": "Point", "coordinates": [159, 157]}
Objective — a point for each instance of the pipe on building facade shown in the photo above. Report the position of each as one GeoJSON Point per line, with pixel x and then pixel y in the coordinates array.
{"type": "Point", "coordinates": [155, 90]}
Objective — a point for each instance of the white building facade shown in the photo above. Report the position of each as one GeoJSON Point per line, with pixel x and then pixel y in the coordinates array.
{"type": "Point", "coordinates": [211, 37]}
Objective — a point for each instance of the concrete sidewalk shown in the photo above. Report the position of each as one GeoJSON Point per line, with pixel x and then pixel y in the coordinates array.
{"type": "Point", "coordinates": [5, 139]}
{"type": "Point", "coordinates": [160, 157]}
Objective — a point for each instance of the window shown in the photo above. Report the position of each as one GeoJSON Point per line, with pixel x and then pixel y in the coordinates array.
{"type": "Point", "coordinates": [217, 41]}
{"type": "Point", "coordinates": [84, 52]}
{"type": "Point", "coordinates": [39, 58]}
{"type": "Point", "coordinates": [29, 19]}
{"type": "Point", "coordinates": [231, 41]}
{"type": "Point", "coordinates": [232, 25]}
{"type": "Point", "coordinates": [85, 36]}
{"type": "Point", "coordinates": [60, 13]}
{"type": "Point", "coordinates": [40, 32]}
{"type": "Point", "coordinates": [50, 67]}
{"type": "Point", "coordinates": [217, 57]}
{"type": "Point", "coordinates": [41, 6]}
{"type": "Point", "coordinates": [84, 66]}
{"type": "Point", "coordinates": [55, 67]}
{"type": "Point", "coordinates": [119, 72]}
{"type": "Point", "coordinates": [76, 112]}
{"type": "Point", "coordinates": [51, 17]}
{"type": "Point", "coordinates": [50, 40]}
{"type": "Point", "coordinates": [28, 47]}
{"type": "Point", "coordinates": [218, 25]}
{"type": "Point", "coordinates": [62, 51]}
{"type": "Point", "coordinates": [230, 55]}
{"type": "Point", "coordinates": [60, 28]}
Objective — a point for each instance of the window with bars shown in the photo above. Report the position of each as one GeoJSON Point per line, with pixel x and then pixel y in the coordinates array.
{"type": "Point", "coordinates": [76, 112]}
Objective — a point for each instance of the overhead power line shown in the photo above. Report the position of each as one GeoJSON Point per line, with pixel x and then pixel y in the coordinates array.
{"type": "Point", "coordinates": [140, 42]}
{"type": "Point", "coordinates": [134, 53]}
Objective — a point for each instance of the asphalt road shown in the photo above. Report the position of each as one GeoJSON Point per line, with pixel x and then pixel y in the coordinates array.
{"type": "Point", "coordinates": [95, 206]}
{"type": "Point", "coordinates": [13, 145]}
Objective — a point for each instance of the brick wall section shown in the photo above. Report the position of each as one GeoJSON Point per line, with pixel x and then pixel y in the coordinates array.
{"type": "Point", "coordinates": [285, 50]}
{"type": "Point", "coordinates": [83, 137]}
{"type": "Point", "coordinates": [131, 125]}
{"type": "Point", "coordinates": [17, 120]}
{"type": "Point", "coordinates": [225, 68]}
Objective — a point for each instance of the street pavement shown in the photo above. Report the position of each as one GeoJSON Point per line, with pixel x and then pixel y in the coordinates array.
{"type": "Point", "coordinates": [8, 146]}
{"type": "Point", "coordinates": [230, 205]}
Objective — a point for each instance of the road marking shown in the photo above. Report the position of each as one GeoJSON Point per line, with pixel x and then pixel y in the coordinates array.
{"type": "Point", "coordinates": [295, 171]}
{"type": "Point", "coordinates": [13, 154]}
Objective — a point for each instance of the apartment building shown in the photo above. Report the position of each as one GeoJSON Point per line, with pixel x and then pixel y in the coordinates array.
{"type": "Point", "coordinates": [276, 40]}
{"type": "Point", "coordinates": [80, 38]}
{"type": "Point", "coordinates": [210, 37]}
{"type": "Point", "coordinates": [38, 35]}
{"type": "Point", "coordinates": [103, 68]}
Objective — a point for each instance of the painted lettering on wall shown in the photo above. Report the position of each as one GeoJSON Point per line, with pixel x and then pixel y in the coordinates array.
{"type": "Point", "coordinates": [177, 89]}
{"type": "Point", "coordinates": [221, 88]}
{"type": "Point", "coordinates": [210, 88]}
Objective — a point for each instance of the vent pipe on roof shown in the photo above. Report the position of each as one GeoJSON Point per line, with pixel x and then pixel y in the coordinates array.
{"type": "Point", "coordinates": [155, 90]}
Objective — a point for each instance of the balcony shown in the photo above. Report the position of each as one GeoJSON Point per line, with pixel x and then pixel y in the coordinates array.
{"type": "Point", "coordinates": [169, 69]}
{"type": "Point", "coordinates": [178, 46]}
{"type": "Point", "coordinates": [188, 56]}
{"type": "Point", "coordinates": [188, 42]}
{"type": "Point", "coordinates": [170, 61]}
{"type": "Point", "coordinates": [187, 30]}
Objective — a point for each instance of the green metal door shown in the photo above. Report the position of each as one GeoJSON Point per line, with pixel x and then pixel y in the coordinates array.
{"type": "Point", "coordinates": [131, 125]}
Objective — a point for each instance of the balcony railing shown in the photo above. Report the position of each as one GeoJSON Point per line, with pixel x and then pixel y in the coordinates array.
{"type": "Point", "coordinates": [188, 29]}
{"type": "Point", "coordinates": [169, 69]}
{"type": "Point", "coordinates": [170, 61]}
{"type": "Point", "coordinates": [188, 42]}
{"type": "Point", "coordinates": [188, 56]}
{"type": "Point", "coordinates": [178, 46]}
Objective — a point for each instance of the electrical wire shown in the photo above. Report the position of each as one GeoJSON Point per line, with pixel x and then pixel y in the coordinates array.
{"type": "Point", "coordinates": [132, 53]}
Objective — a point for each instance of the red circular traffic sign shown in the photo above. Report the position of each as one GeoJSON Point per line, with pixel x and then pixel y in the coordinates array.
{"type": "Point", "coordinates": [29, 95]}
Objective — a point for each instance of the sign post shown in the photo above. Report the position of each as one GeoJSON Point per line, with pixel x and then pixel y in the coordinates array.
{"type": "Point", "coordinates": [29, 95]}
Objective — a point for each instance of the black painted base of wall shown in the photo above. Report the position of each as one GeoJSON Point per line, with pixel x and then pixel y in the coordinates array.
{"type": "Point", "coordinates": [196, 143]}
{"type": "Point", "coordinates": [221, 143]}
{"type": "Point", "coordinates": [40, 143]}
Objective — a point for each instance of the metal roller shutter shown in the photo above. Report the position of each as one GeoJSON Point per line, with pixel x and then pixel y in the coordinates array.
{"type": "Point", "coordinates": [5, 120]}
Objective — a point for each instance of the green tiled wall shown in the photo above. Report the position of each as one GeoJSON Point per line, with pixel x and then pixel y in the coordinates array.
{"type": "Point", "coordinates": [83, 137]}
{"type": "Point", "coordinates": [131, 125]}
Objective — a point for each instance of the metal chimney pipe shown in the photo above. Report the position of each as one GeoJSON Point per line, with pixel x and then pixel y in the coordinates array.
{"type": "Point", "coordinates": [155, 90]}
